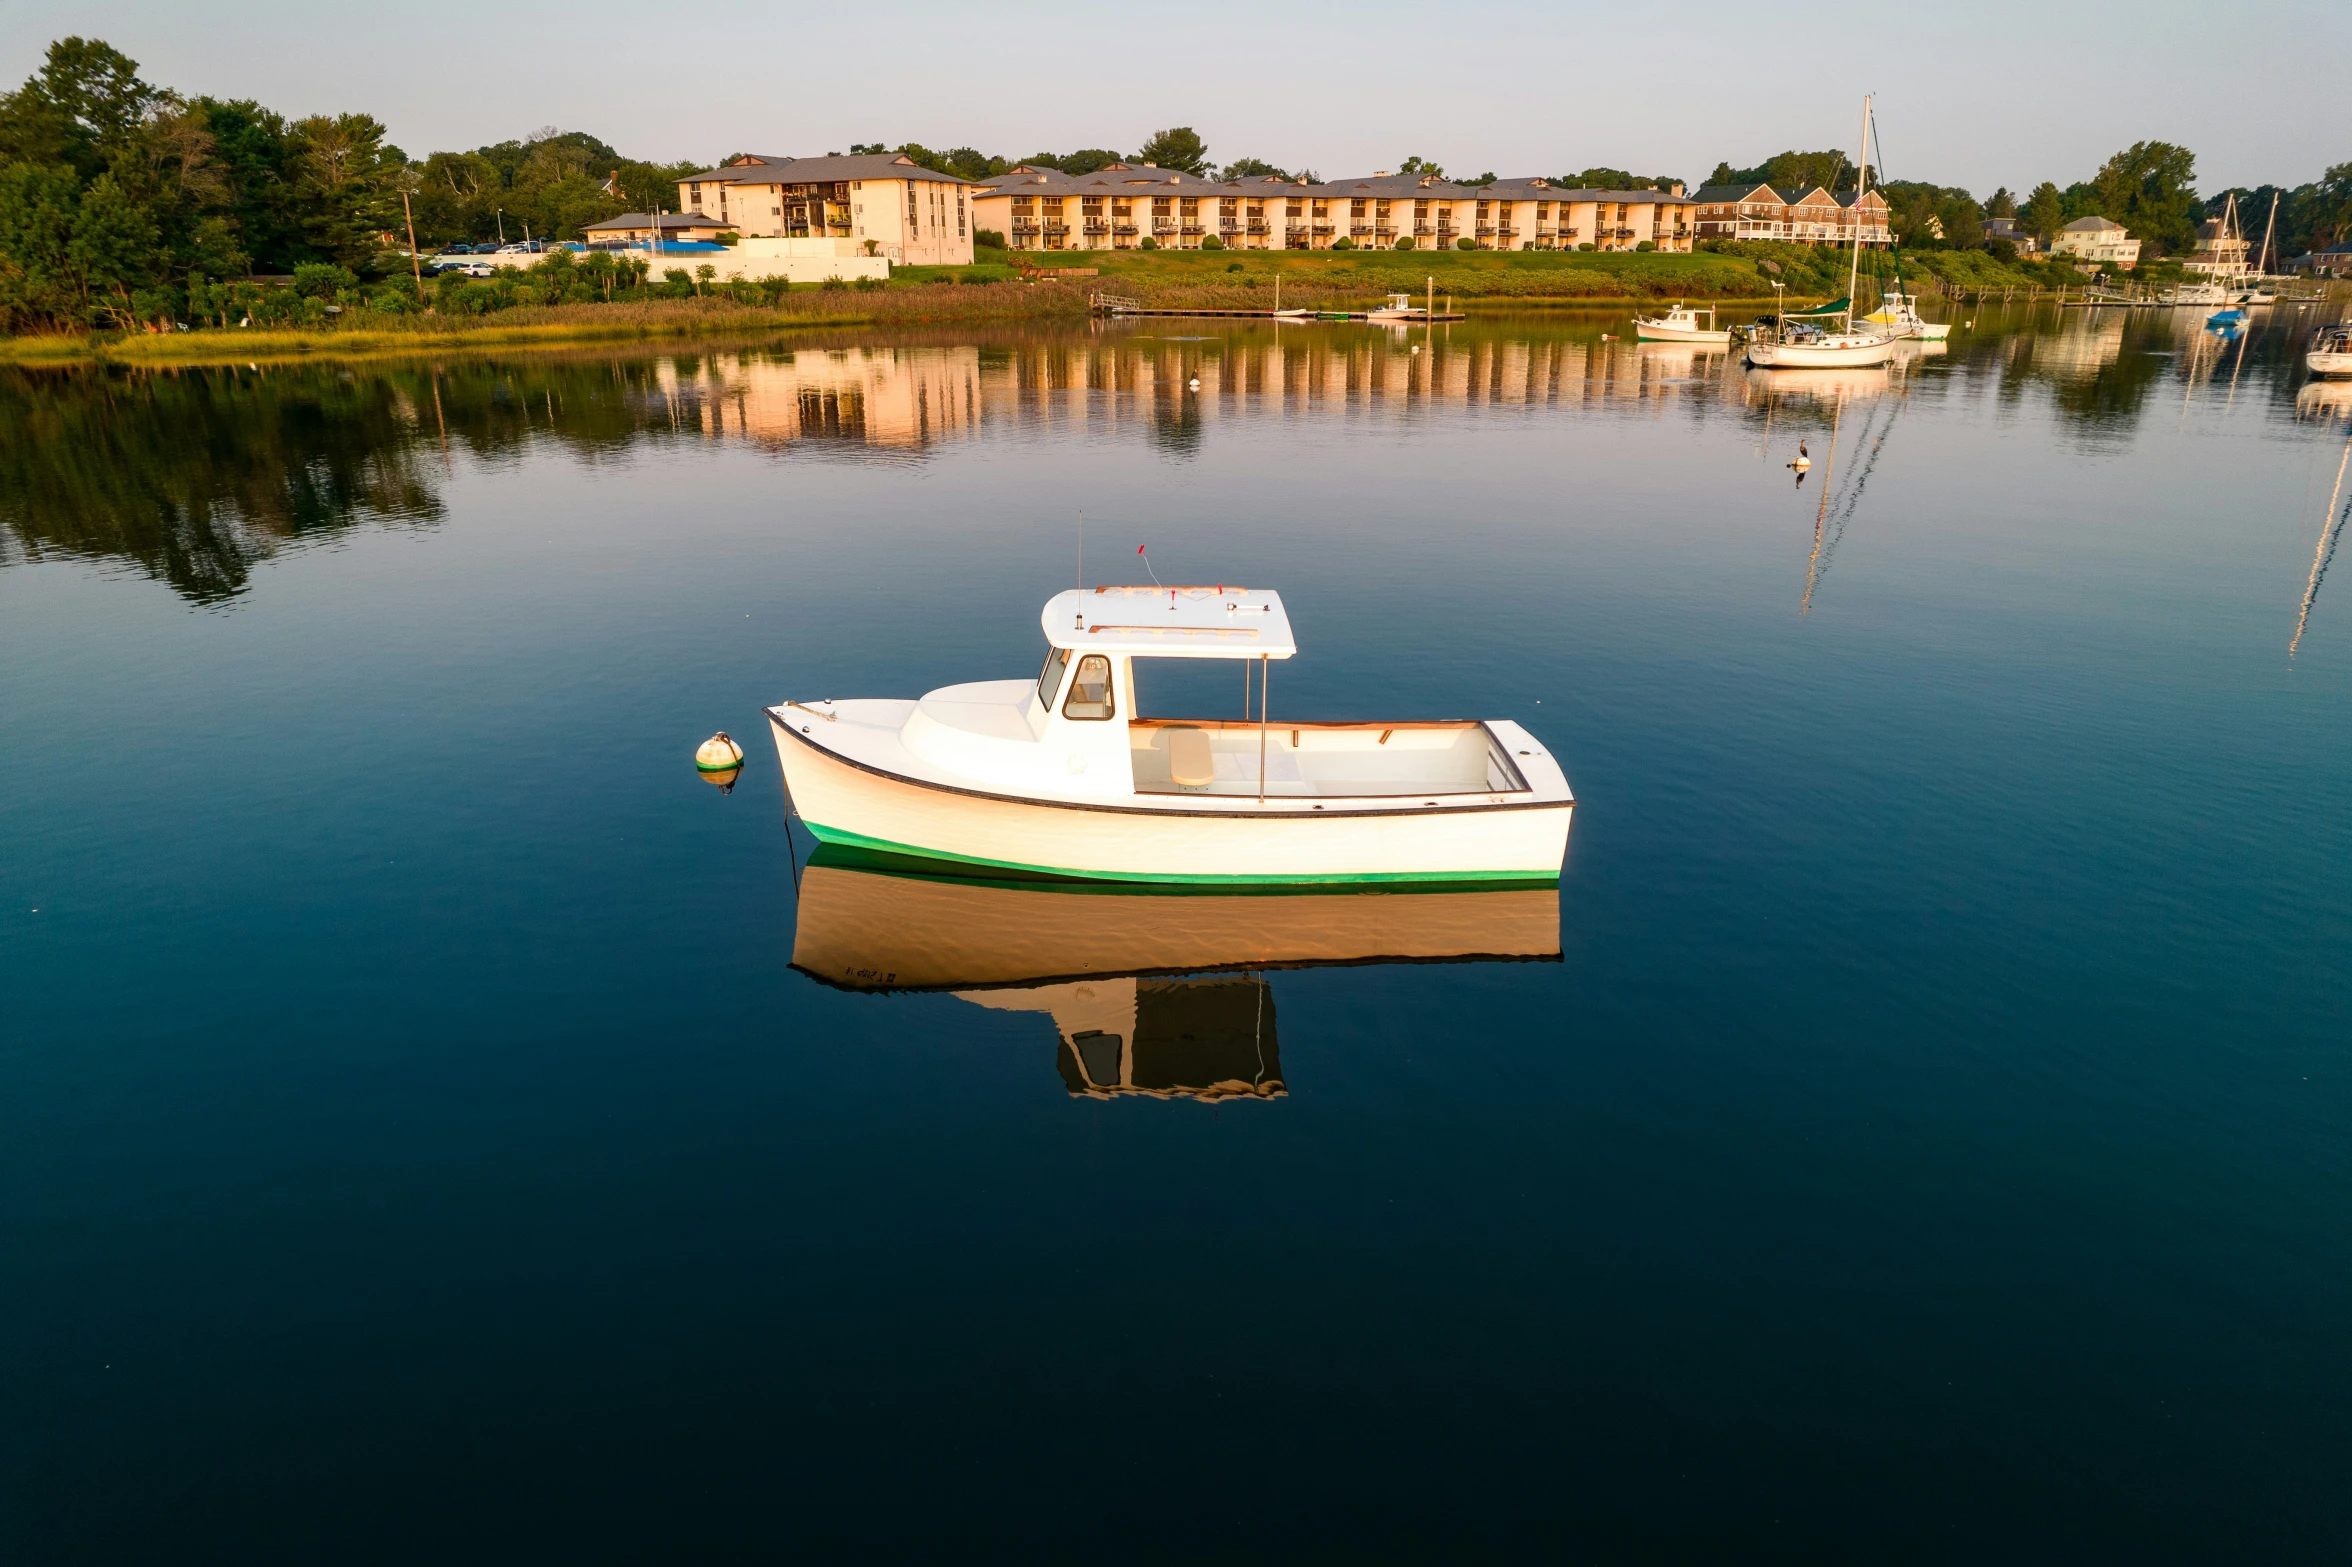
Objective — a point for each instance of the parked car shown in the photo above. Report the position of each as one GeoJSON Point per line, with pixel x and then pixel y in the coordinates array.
{"type": "Point", "coordinates": [479, 269]}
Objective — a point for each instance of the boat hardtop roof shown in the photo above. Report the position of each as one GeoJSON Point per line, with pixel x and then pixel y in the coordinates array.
{"type": "Point", "coordinates": [1220, 621]}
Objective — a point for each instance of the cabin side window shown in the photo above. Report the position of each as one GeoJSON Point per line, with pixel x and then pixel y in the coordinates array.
{"type": "Point", "coordinates": [1090, 689]}
{"type": "Point", "coordinates": [1049, 679]}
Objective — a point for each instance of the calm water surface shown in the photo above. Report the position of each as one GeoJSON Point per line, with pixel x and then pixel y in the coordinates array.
{"type": "Point", "coordinates": [1923, 1133]}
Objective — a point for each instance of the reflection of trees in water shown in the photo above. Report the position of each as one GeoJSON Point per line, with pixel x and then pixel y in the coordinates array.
{"type": "Point", "coordinates": [197, 475]}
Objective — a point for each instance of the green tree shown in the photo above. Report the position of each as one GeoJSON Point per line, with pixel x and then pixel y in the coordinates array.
{"type": "Point", "coordinates": [2044, 212]}
{"type": "Point", "coordinates": [1252, 168]}
{"type": "Point", "coordinates": [1177, 147]}
{"type": "Point", "coordinates": [113, 252]}
{"type": "Point", "coordinates": [2002, 204]}
{"type": "Point", "coordinates": [1417, 165]}
{"type": "Point", "coordinates": [83, 105]}
{"type": "Point", "coordinates": [2151, 189]}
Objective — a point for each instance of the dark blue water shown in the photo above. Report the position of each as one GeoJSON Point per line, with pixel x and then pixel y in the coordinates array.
{"type": "Point", "coordinates": [1931, 1142]}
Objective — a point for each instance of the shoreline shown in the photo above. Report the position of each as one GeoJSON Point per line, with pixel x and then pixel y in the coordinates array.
{"type": "Point", "coordinates": [216, 346]}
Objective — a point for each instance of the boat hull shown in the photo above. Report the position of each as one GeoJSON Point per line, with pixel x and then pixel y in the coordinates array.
{"type": "Point", "coordinates": [1820, 356]}
{"type": "Point", "coordinates": [2320, 362]}
{"type": "Point", "coordinates": [845, 803]}
{"type": "Point", "coordinates": [1680, 334]}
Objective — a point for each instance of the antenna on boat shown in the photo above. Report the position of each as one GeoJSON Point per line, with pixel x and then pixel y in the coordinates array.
{"type": "Point", "coordinates": [1082, 552]}
{"type": "Point", "coordinates": [1147, 565]}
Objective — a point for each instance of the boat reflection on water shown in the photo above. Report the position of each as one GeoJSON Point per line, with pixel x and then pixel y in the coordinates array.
{"type": "Point", "coordinates": [1822, 386]}
{"type": "Point", "coordinates": [1154, 990]}
{"type": "Point", "coordinates": [2323, 400]}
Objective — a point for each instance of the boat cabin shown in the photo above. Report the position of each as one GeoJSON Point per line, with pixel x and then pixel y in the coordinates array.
{"type": "Point", "coordinates": [1083, 712]}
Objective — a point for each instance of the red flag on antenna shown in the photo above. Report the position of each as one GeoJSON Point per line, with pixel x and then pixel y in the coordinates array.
{"type": "Point", "coordinates": [1138, 549]}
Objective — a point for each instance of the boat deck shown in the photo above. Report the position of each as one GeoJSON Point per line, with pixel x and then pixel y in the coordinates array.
{"type": "Point", "coordinates": [1329, 761]}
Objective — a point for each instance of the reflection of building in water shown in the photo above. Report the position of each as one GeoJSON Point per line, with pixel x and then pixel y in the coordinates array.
{"type": "Point", "coordinates": [1243, 372]}
{"type": "Point", "coordinates": [881, 396]}
{"type": "Point", "coordinates": [915, 396]}
{"type": "Point", "coordinates": [1197, 1037]}
{"type": "Point", "coordinates": [2086, 342]}
{"type": "Point", "coordinates": [1108, 961]}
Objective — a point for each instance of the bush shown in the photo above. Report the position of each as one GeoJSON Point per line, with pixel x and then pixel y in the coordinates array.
{"type": "Point", "coordinates": [988, 239]}
{"type": "Point", "coordinates": [1646, 246]}
{"type": "Point", "coordinates": [836, 281]}
{"type": "Point", "coordinates": [1465, 243]}
{"type": "Point", "coordinates": [1343, 243]}
{"type": "Point", "coordinates": [2002, 250]}
{"type": "Point", "coordinates": [323, 279]}
{"type": "Point", "coordinates": [1148, 243]}
{"type": "Point", "coordinates": [1404, 242]}
{"type": "Point", "coordinates": [1233, 266]}
{"type": "Point", "coordinates": [1587, 245]}
{"type": "Point", "coordinates": [1212, 242]}
{"type": "Point", "coordinates": [867, 285]}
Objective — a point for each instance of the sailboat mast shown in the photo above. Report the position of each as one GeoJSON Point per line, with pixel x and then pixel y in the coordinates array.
{"type": "Point", "coordinates": [2267, 230]}
{"type": "Point", "coordinates": [1862, 179]}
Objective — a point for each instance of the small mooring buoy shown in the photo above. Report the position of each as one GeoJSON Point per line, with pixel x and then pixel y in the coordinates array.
{"type": "Point", "coordinates": [720, 761]}
{"type": "Point", "coordinates": [1194, 383]}
{"type": "Point", "coordinates": [1803, 460]}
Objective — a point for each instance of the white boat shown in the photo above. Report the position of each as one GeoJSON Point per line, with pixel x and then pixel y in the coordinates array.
{"type": "Point", "coordinates": [2195, 294]}
{"type": "Point", "coordinates": [2331, 351]}
{"type": "Point", "coordinates": [1400, 307]}
{"type": "Point", "coordinates": [1681, 325]}
{"type": "Point", "coordinates": [1061, 776]}
{"type": "Point", "coordinates": [1899, 314]}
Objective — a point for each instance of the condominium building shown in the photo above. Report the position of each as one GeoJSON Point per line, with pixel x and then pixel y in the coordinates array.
{"type": "Point", "coordinates": [1816, 217]}
{"type": "Point", "coordinates": [1121, 205]}
{"type": "Point", "coordinates": [2097, 241]}
{"type": "Point", "coordinates": [886, 204]}
{"type": "Point", "coordinates": [639, 228]}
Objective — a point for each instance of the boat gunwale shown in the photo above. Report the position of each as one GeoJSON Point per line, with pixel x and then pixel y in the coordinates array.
{"type": "Point", "coordinates": [1296, 807]}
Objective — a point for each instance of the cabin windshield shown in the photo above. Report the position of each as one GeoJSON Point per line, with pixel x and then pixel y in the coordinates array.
{"type": "Point", "coordinates": [1049, 679]}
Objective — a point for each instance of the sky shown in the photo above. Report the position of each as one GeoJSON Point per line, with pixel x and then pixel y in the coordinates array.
{"type": "Point", "coordinates": [2005, 93]}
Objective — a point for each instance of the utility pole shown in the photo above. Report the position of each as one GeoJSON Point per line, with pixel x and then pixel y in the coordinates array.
{"type": "Point", "coordinates": [415, 267]}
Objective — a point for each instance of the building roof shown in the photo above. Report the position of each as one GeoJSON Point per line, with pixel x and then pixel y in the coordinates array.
{"type": "Point", "coordinates": [1736, 192]}
{"type": "Point", "coordinates": [667, 220]}
{"type": "Point", "coordinates": [766, 169]}
{"type": "Point", "coordinates": [2090, 226]}
{"type": "Point", "coordinates": [1181, 622]}
{"type": "Point", "coordinates": [1143, 179]}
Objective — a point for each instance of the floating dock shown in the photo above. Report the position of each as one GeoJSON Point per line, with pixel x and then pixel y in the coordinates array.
{"type": "Point", "coordinates": [1114, 305]}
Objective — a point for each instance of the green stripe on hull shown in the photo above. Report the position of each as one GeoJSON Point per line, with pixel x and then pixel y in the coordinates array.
{"type": "Point", "coordinates": [856, 840]}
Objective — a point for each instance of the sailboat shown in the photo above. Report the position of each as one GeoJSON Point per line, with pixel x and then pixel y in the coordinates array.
{"type": "Point", "coordinates": [1809, 347]}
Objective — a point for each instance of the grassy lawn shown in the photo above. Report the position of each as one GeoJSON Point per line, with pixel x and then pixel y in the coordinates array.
{"type": "Point", "coordinates": [1360, 276]}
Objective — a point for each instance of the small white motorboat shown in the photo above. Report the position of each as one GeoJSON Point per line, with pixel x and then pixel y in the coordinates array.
{"type": "Point", "coordinates": [1061, 776]}
{"type": "Point", "coordinates": [1681, 325]}
{"type": "Point", "coordinates": [2195, 294]}
{"type": "Point", "coordinates": [1400, 307]}
{"type": "Point", "coordinates": [2331, 351]}
{"type": "Point", "coordinates": [1899, 314]}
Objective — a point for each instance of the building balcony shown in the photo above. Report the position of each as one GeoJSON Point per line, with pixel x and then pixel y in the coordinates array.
{"type": "Point", "coordinates": [1057, 228]}
{"type": "Point", "coordinates": [1194, 228]}
{"type": "Point", "coordinates": [1123, 228]}
{"type": "Point", "coordinates": [1097, 226]}
{"type": "Point", "coordinates": [1163, 225]}
{"type": "Point", "coordinates": [1258, 226]}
